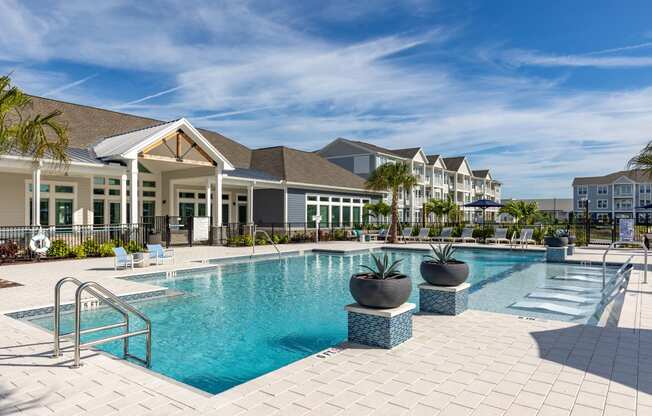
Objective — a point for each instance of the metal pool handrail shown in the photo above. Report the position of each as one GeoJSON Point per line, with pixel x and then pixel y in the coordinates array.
{"type": "Point", "coordinates": [614, 245]}
{"type": "Point", "coordinates": [253, 245]}
{"type": "Point", "coordinates": [103, 294]}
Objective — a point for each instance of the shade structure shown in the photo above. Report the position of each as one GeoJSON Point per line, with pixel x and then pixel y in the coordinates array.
{"type": "Point", "coordinates": [483, 204]}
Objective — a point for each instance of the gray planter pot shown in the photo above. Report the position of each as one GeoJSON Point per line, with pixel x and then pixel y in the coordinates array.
{"type": "Point", "coordinates": [380, 293]}
{"type": "Point", "coordinates": [447, 274]}
{"type": "Point", "coordinates": [555, 241]}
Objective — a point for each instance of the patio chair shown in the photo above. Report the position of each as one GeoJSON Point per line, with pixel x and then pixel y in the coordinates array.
{"type": "Point", "coordinates": [446, 235]}
{"type": "Point", "coordinates": [467, 235]}
{"type": "Point", "coordinates": [406, 234]}
{"type": "Point", "coordinates": [160, 254]}
{"type": "Point", "coordinates": [123, 259]}
{"type": "Point", "coordinates": [524, 238]}
{"type": "Point", "coordinates": [500, 236]}
{"type": "Point", "coordinates": [424, 235]}
{"type": "Point", "coordinates": [378, 236]}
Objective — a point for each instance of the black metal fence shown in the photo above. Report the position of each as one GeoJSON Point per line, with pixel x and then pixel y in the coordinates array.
{"type": "Point", "coordinates": [69, 240]}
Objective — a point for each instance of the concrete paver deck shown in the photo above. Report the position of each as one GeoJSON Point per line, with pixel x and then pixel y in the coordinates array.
{"type": "Point", "coordinates": [477, 363]}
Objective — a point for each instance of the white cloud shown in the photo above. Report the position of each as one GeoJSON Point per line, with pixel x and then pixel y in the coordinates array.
{"type": "Point", "coordinates": [261, 75]}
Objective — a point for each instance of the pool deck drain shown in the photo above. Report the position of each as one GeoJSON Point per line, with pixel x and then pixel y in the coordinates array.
{"type": "Point", "coordinates": [477, 363]}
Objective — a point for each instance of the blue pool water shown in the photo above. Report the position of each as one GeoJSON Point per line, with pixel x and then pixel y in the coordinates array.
{"type": "Point", "coordinates": [246, 318]}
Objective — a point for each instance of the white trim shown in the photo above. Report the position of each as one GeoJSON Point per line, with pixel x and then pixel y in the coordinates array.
{"type": "Point", "coordinates": [329, 187]}
{"type": "Point", "coordinates": [51, 196]}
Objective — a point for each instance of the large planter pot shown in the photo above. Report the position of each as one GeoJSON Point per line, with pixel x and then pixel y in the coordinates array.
{"type": "Point", "coordinates": [380, 293]}
{"type": "Point", "coordinates": [447, 274]}
{"type": "Point", "coordinates": [571, 239]}
{"type": "Point", "coordinates": [555, 241]}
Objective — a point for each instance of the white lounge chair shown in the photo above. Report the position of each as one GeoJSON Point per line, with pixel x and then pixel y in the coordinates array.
{"type": "Point", "coordinates": [422, 236]}
{"type": "Point", "coordinates": [406, 234]}
{"type": "Point", "coordinates": [467, 235]}
{"type": "Point", "coordinates": [123, 259]}
{"type": "Point", "coordinates": [524, 238]}
{"type": "Point", "coordinates": [500, 236]}
{"type": "Point", "coordinates": [445, 235]}
{"type": "Point", "coordinates": [160, 254]}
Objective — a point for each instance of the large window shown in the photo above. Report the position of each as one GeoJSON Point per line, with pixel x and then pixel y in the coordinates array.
{"type": "Point", "coordinates": [63, 211]}
{"type": "Point", "coordinates": [57, 203]}
{"type": "Point", "coordinates": [98, 211]}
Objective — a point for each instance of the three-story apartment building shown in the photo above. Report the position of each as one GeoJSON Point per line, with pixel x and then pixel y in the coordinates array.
{"type": "Point", "coordinates": [616, 195]}
{"type": "Point", "coordinates": [437, 177]}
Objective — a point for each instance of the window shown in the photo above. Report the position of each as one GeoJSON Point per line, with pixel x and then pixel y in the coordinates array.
{"type": "Point", "coordinates": [582, 203]}
{"type": "Point", "coordinates": [361, 164]}
{"type": "Point", "coordinates": [242, 198]}
{"type": "Point", "coordinates": [149, 210]}
{"type": "Point", "coordinates": [114, 192]}
{"type": "Point", "coordinates": [323, 213]}
{"type": "Point", "coordinates": [311, 210]}
{"type": "Point", "coordinates": [603, 189]}
{"type": "Point", "coordinates": [324, 198]}
{"type": "Point", "coordinates": [149, 184]}
{"type": "Point", "coordinates": [98, 191]}
{"type": "Point", "coordinates": [201, 195]}
{"type": "Point", "coordinates": [98, 211]}
{"type": "Point", "coordinates": [335, 215]}
{"type": "Point", "coordinates": [63, 211]}
{"type": "Point", "coordinates": [114, 181]}
{"type": "Point", "coordinates": [602, 204]}
{"type": "Point", "coordinates": [582, 190]}
{"type": "Point", "coordinates": [114, 213]}
{"type": "Point", "coordinates": [150, 194]}
{"type": "Point", "coordinates": [64, 189]}
{"type": "Point", "coordinates": [622, 189]}
{"type": "Point", "coordinates": [312, 198]}
{"type": "Point", "coordinates": [98, 180]}
{"type": "Point", "coordinates": [645, 188]}
{"type": "Point", "coordinates": [189, 195]}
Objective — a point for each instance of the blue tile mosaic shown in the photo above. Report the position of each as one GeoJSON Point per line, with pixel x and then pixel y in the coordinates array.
{"type": "Point", "coordinates": [443, 302]}
{"type": "Point", "coordinates": [556, 254]}
{"type": "Point", "coordinates": [379, 331]}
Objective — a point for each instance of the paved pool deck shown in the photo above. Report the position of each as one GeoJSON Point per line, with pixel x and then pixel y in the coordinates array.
{"type": "Point", "coordinates": [477, 363]}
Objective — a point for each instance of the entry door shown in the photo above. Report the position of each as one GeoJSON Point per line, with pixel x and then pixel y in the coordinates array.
{"type": "Point", "coordinates": [242, 214]}
{"type": "Point", "coordinates": [186, 209]}
{"type": "Point", "coordinates": [225, 213]}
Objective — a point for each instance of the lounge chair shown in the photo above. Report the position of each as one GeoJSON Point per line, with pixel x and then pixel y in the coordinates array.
{"type": "Point", "coordinates": [160, 254]}
{"type": "Point", "coordinates": [524, 238]}
{"type": "Point", "coordinates": [378, 236]}
{"type": "Point", "coordinates": [406, 234]}
{"type": "Point", "coordinates": [422, 236]}
{"type": "Point", "coordinates": [500, 236]}
{"type": "Point", "coordinates": [446, 235]}
{"type": "Point", "coordinates": [123, 259]}
{"type": "Point", "coordinates": [467, 235]}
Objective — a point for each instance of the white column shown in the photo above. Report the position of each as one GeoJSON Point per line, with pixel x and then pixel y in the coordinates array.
{"type": "Point", "coordinates": [171, 199]}
{"type": "Point", "coordinates": [208, 197]}
{"type": "Point", "coordinates": [250, 204]}
{"type": "Point", "coordinates": [218, 196]}
{"type": "Point", "coordinates": [133, 170]}
{"type": "Point", "coordinates": [285, 204]}
{"type": "Point", "coordinates": [412, 205]}
{"type": "Point", "coordinates": [36, 195]}
{"type": "Point", "coordinates": [123, 198]}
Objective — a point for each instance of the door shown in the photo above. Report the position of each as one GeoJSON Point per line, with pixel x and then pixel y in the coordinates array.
{"type": "Point", "coordinates": [186, 209]}
{"type": "Point", "coordinates": [225, 213]}
{"type": "Point", "coordinates": [63, 212]}
{"type": "Point", "coordinates": [242, 214]}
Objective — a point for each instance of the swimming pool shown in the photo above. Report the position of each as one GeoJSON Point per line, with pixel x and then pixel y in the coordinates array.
{"type": "Point", "coordinates": [245, 318]}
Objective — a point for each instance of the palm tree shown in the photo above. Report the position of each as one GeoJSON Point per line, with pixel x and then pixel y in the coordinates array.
{"type": "Point", "coordinates": [521, 211]}
{"type": "Point", "coordinates": [378, 210]}
{"type": "Point", "coordinates": [36, 135]}
{"type": "Point", "coordinates": [392, 177]}
{"type": "Point", "coordinates": [643, 160]}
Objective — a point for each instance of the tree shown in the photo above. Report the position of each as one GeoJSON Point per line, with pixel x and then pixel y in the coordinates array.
{"type": "Point", "coordinates": [35, 135]}
{"type": "Point", "coordinates": [378, 210]}
{"type": "Point", "coordinates": [521, 211]}
{"type": "Point", "coordinates": [392, 177]}
{"type": "Point", "coordinates": [643, 160]}
{"type": "Point", "coordinates": [441, 207]}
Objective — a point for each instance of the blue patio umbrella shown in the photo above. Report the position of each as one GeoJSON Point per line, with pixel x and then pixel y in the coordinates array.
{"type": "Point", "coordinates": [483, 204]}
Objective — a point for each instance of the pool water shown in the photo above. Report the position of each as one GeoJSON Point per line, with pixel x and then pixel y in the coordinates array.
{"type": "Point", "coordinates": [246, 318]}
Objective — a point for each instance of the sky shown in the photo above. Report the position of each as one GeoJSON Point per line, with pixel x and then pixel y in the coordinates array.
{"type": "Point", "coordinates": [537, 91]}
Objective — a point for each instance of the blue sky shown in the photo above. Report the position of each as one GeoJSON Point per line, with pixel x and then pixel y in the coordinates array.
{"type": "Point", "coordinates": [537, 91]}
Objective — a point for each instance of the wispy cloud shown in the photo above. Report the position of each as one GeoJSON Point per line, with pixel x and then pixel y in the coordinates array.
{"type": "Point", "coordinates": [520, 58]}
{"type": "Point", "coordinates": [69, 85]}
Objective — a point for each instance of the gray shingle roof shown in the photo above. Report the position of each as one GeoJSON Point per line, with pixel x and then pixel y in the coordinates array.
{"type": "Point", "coordinates": [408, 153]}
{"type": "Point", "coordinates": [453, 163]}
{"type": "Point", "coordinates": [635, 175]}
{"type": "Point", "coordinates": [481, 173]}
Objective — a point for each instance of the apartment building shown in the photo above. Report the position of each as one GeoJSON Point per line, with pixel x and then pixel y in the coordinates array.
{"type": "Point", "coordinates": [437, 176]}
{"type": "Point", "coordinates": [616, 195]}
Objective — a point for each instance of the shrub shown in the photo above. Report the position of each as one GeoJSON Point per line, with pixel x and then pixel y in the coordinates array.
{"type": "Point", "coordinates": [134, 247]}
{"type": "Point", "coordinates": [482, 233]}
{"type": "Point", "coordinates": [58, 248]}
{"type": "Point", "coordinates": [8, 250]}
{"type": "Point", "coordinates": [457, 230]}
{"type": "Point", "coordinates": [339, 235]}
{"type": "Point", "coordinates": [261, 241]}
{"type": "Point", "coordinates": [513, 231]}
{"type": "Point", "coordinates": [78, 252]}
{"type": "Point", "coordinates": [538, 234]}
{"type": "Point", "coordinates": [434, 231]}
{"type": "Point", "coordinates": [91, 248]}
{"type": "Point", "coordinates": [105, 250]}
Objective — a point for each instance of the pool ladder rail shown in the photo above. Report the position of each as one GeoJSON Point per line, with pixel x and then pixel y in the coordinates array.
{"type": "Point", "coordinates": [107, 297]}
{"type": "Point", "coordinates": [253, 245]}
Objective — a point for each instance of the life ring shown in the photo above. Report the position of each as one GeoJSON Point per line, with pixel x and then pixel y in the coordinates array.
{"type": "Point", "coordinates": [39, 244]}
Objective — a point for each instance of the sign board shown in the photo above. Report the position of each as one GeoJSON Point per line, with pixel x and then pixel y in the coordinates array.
{"type": "Point", "coordinates": [200, 228]}
{"type": "Point", "coordinates": [316, 218]}
{"type": "Point", "coordinates": [626, 229]}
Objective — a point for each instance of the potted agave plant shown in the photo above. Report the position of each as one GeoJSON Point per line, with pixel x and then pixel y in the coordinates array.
{"type": "Point", "coordinates": [442, 268]}
{"type": "Point", "coordinates": [557, 238]}
{"type": "Point", "coordinates": [382, 286]}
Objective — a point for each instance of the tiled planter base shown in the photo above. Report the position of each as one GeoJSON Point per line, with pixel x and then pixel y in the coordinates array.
{"type": "Point", "coordinates": [570, 249]}
{"type": "Point", "coordinates": [556, 254]}
{"type": "Point", "coordinates": [445, 300]}
{"type": "Point", "coordinates": [384, 328]}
